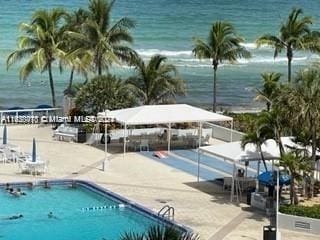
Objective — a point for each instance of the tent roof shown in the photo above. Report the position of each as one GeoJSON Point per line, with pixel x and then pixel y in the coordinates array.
{"type": "Point", "coordinates": [162, 114]}
{"type": "Point", "coordinates": [233, 151]}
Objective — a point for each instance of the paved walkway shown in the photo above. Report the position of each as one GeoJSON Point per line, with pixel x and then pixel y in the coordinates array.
{"type": "Point", "coordinates": [225, 230]}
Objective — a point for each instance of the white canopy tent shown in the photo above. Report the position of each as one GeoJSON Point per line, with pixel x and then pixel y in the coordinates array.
{"type": "Point", "coordinates": [164, 114]}
{"type": "Point", "coordinates": [233, 152]}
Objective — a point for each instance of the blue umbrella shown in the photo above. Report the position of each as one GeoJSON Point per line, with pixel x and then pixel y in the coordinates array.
{"type": "Point", "coordinates": [270, 178]}
{"type": "Point", "coordinates": [5, 135]}
{"type": "Point", "coordinates": [34, 151]}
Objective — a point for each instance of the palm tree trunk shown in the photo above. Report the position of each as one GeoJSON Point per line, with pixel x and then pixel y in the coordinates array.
{"type": "Point", "coordinates": [292, 190]}
{"type": "Point", "coordinates": [53, 96]}
{"type": "Point", "coordinates": [214, 106]}
{"type": "Point", "coordinates": [71, 78]}
{"type": "Point", "coordinates": [268, 106]}
{"type": "Point", "coordinates": [289, 56]}
{"type": "Point", "coordinates": [314, 157]}
{"type": "Point", "coordinates": [262, 158]}
{"type": "Point", "coordinates": [99, 69]}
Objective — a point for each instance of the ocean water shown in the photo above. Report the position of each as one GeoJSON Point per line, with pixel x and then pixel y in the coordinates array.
{"type": "Point", "coordinates": [167, 27]}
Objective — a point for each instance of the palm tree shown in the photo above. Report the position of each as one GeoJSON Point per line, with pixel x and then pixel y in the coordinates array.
{"type": "Point", "coordinates": [295, 163]}
{"type": "Point", "coordinates": [256, 138]}
{"type": "Point", "coordinates": [222, 45]}
{"type": "Point", "coordinates": [270, 85]}
{"type": "Point", "coordinates": [104, 92]}
{"type": "Point", "coordinates": [158, 232]}
{"type": "Point", "coordinates": [78, 62]}
{"type": "Point", "coordinates": [273, 125]}
{"type": "Point", "coordinates": [294, 34]}
{"type": "Point", "coordinates": [155, 81]}
{"type": "Point", "coordinates": [106, 42]}
{"type": "Point", "coordinates": [41, 43]}
{"type": "Point", "coordinates": [305, 97]}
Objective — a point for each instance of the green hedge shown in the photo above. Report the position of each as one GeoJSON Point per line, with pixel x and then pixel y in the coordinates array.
{"type": "Point", "coordinates": [303, 211]}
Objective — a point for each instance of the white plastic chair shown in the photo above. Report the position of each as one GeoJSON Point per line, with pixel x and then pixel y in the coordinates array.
{"type": "Point", "coordinates": [3, 157]}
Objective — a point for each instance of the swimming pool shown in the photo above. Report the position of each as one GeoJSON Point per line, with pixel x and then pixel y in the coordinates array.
{"type": "Point", "coordinates": [86, 212]}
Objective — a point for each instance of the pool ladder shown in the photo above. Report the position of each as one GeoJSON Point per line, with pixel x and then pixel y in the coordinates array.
{"type": "Point", "coordinates": [166, 211]}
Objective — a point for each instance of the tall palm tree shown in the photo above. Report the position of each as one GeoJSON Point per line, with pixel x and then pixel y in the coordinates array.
{"type": "Point", "coordinates": [270, 85]}
{"type": "Point", "coordinates": [155, 81]}
{"type": "Point", "coordinates": [78, 61]}
{"type": "Point", "coordinates": [294, 34]}
{"type": "Point", "coordinates": [295, 163]}
{"type": "Point", "coordinates": [41, 43]}
{"type": "Point", "coordinates": [106, 41]}
{"type": "Point", "coordinates": [222, 45]}
{"type": "Point", "coordinates": [305, 97]}
{"type": "Point", "coordinates": [256, 138]}
{"type": "Point", "coordinates": [273, 125]}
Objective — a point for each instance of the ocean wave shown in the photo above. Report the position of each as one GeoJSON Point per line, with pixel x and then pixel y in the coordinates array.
{"type": "Point", "coordinates": [168, 53]}
{"type": "Point", "coordinates": [270, 60]}
{"type": "Point", "coordinates": [173, 53]}
{"type": "Point", "coordinates": [185, 58]}
{"type": "Point", "coordinates": [252, 45]}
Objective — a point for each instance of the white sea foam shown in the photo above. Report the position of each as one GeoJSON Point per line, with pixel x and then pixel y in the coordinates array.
{"type": "Point", "coordinates": [168, 53]}
{"type": "Point", "coordinates": [253, 45]}
{"type": "Point", "coordinates": [184, 58]}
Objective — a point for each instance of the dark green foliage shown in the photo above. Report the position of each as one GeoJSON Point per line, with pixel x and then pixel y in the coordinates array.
{"type": "Point", "coordinates": [155, 82]}
{"type": "Point", "coordinates": [159, 232]}
{"type": "Point", "coordinates": [303, 211]}
{"type": "Point", "coordinates": [243, 122]}
{"type": "Point", "coordinates": [104, 92]}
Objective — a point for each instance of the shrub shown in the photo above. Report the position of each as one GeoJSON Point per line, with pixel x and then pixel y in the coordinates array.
{"type": "Point", "coordinates": [104, 92]}
{"type": "Point", "coordinates": [303, 211]}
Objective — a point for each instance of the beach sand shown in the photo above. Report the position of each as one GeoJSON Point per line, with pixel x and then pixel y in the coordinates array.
{"type": "Point", "coordinates": [201, 206]}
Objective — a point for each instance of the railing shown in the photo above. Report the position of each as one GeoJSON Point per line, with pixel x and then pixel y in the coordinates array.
{"type": "Point", "coordinates": [166, 211]}
{"type": "Point", "coordinates": [224, 133]}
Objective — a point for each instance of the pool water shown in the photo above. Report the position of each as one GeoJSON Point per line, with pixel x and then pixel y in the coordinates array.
{"type": "Point", "coordinates": [72, 219]}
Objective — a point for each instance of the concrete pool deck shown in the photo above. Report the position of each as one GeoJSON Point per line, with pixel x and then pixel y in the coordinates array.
{"type": "Point", "coordinates": [202, 207]}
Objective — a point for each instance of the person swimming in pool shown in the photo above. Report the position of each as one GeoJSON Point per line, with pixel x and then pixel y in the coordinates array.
{"type": "Point", "coordinates": [14, 217]}
{"type": "Point", "coordinates": [46, 184]}
{"type": "Point", "coordinates": [19, 192]}
{"type": "Point", "coordinates": [50, 215]}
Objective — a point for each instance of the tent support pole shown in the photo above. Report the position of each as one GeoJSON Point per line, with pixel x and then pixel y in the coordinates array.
{"type": "Point", "coordinates": [231, 131]}
{"type": "Point", "coordinates": [105, 143]}
{"type": "Point", "coordinates": [124, 139]}
{"type": "Point", "coordinates": [257, 181]}
{"type": "Point", "coordinates": [198, 175]}
{"type": "Point", "coordinates": [169, 137]}
{"type": "Point", "coordinates": [232, 184]}
{"type": "Point", "coordinates": [200, 135]}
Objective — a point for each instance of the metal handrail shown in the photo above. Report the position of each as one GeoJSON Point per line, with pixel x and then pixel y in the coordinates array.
{"type": "Point", "coordinates": [166, 210]}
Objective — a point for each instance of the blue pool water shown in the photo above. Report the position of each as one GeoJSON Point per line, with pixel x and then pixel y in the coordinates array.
{"type": "Point", "coordinates": [72, 221]}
